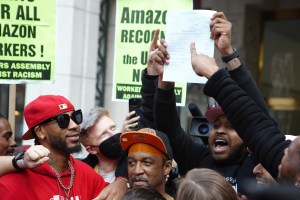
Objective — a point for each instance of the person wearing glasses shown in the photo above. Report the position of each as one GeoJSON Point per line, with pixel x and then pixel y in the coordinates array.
{"type": "Point", "coordinates": [54, 123]}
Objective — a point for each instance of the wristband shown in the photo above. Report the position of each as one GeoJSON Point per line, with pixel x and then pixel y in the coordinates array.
{"type": "Point", "coordinates": [18, 157]}
{"type": "Point", "coordinates": [21, 163]}
{"type": "Point", "coordinates": [228, 58]}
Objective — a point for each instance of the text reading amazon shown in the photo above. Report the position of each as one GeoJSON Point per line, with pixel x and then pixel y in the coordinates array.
{"type": "Point", "coordinates": [26, 40]}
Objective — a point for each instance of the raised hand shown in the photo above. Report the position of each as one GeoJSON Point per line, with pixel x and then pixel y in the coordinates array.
{"type": "Point", "coordinates": [221, 33]}
{"type": "Point", "coordinates": [130, 123]}
{"type": "Point", "coordinates": [203, 65]}
{"type": "Point", "coordinates": [158, 55]}
{"type": "Point", "coordinates": [152, 52]}
{"type": "Point", "coordinates": [35, 156]}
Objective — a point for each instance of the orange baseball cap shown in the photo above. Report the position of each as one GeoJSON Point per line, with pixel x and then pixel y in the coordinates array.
{"type": "Point", "coordinates": [148, 136]}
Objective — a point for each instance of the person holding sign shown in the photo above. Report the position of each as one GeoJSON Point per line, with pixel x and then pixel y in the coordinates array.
{"type": "Point", "coordinates": [258, 130]}
{"type": "Point", "coordinates": [226, 152]}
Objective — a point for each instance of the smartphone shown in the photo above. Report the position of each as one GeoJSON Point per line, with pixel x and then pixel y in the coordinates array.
{"type": "Point", "coordinates": [135, 105]}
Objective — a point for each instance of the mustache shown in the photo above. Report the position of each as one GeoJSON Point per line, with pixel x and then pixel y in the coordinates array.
{"type": "Point", "coordinates": [10, 151]}
{"type": "Point", "coordinates": [74, 132]}
{"type": "Point", "coordinates": [138, 179]}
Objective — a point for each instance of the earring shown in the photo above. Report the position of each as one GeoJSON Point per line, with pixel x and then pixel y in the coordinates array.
{"type": "Point", "coordinates": [167, 177]}
{"type": "Point", "coordinates": [42, 137]}
{"type": "Point", "coordinates": [296, 184]}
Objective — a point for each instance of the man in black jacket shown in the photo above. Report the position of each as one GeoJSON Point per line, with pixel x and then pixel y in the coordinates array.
{"type": "Point", "coordinates": [257, 130]}
{"type": "Point", "coordinates": [231, 160]}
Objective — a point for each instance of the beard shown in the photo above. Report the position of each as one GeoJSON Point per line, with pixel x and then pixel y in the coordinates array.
{"type": "Point", "coordinates": [234, 156]}
{"type": "Point", "coordinates": [60, 144]}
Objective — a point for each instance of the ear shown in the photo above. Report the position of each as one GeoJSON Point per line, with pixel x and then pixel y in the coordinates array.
{"type": "Point", "coordinates": [167, 167]}
{"type": "Point", "coordinates": [91, 150]}
{"type": "Point", "coordinates": [39, 132]}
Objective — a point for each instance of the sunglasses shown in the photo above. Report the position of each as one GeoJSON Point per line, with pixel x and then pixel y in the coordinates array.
{"type": "Point", "coordinates": [63, 120]}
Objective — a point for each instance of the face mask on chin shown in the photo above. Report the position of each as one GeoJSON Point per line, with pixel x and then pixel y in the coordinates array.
{"type": "Point", "coordinates": [111, 147]}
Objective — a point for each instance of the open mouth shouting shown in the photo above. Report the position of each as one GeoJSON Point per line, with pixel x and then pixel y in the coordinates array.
{"type": "Point", "coordinates": [220, 145]}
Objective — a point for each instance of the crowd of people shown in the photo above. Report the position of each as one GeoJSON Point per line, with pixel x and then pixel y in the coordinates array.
{"type": "Point", "coordinates": [247, 155]}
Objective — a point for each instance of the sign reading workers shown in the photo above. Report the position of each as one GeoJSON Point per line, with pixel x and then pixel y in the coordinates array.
{"type": "Point", "coordinates": [27, 40]}
{"type": "Point", "coordinates": [136, 22]}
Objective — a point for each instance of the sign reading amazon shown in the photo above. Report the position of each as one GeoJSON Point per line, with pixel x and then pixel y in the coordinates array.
{"type": "Point", "coordinates": [136, 22]}
{"type": "Point", "coordinates": [27, 41]}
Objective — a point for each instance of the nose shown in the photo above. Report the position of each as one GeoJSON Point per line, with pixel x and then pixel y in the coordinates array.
{"type": "Point", "coordinates": [72, 124]}
{"type": "Point", "coordinates": [12, 142]}
{"type": "Point", "coordinates": [111, 133]}
{"type": "Point", "coordinates": [138, 169]}
{"type": "Point", "coordinates": [220, 129]}
{"type": "Point", "coordinates": [257, 169]}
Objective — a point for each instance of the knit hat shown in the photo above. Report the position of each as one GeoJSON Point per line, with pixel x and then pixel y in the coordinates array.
{"type": "Point", "coordinates": [43, 108]}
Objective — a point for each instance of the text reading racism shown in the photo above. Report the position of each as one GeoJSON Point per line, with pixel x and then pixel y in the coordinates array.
{"type": "Point", "coordinates": [34, 70]}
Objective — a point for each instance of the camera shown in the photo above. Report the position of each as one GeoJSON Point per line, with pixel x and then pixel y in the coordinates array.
{"type": "Point", "coordinates": [200, 127]}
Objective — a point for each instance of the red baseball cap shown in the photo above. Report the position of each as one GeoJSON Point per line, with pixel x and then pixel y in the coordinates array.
{"type": "Point", "coordinates": [148, 136]}
{"type": "Point", "coordinates": [212, 113]}
{"type": "Point", "coordinates": [43, 108]}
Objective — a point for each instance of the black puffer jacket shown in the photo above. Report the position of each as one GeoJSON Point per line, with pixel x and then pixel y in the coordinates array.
{"type": "Point", "coordinates": [254, 126]}
{"type": "Point", "coordinates": [189, 154]}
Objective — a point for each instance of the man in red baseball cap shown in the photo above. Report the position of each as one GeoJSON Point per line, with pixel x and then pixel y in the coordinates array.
{"type": "Point", "coordinates": [54, 123]}
{"type": "Point", "coordinates": [149, 159]}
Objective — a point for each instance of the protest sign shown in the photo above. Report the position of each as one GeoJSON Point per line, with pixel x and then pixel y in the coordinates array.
{"type": "Point", "coordinates": [27, 41]}
{"type": "Point", "coordinates": [136, 22]}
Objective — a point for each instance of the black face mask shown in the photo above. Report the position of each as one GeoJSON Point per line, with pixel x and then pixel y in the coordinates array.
{"type": "Point", "coordinates": [111, 147]}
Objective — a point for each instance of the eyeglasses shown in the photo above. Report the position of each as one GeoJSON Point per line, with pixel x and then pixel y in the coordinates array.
{"type": "Point", "coordinates": [63, 120]}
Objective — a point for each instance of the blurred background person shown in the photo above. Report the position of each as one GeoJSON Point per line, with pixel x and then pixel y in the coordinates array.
{"type": "Point", "coordinates": [7, 142]}
{"type": "Point", "coordinates": [262, 176]}
{"type": "Point", "coordinates": [142, 194]}
{"type": "Point", "coordinates": [205, 184]}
